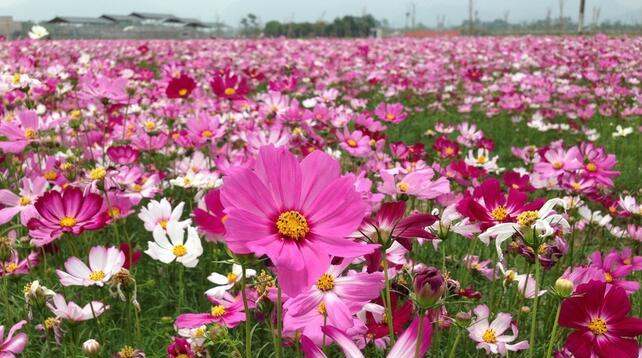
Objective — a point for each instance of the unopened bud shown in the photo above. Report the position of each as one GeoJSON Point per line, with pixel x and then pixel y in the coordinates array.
{"type": "Point", "coordinates": [525, 309]}
{"type": "Point", "coordinates": [429, 286]}
{"type": "Point", "coordinates": [564, 287]}
{"type": "Point", "coordinates": [91, 347]}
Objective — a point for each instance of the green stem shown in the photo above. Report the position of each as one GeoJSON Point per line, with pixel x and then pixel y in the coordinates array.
{"type": "Point", "coordinates": [279, 323]}
{"type": "Point", "coordinates": [453, 349]}
{"type": "Point", "coordinates": [181, 287]}
{"type": "Point", "coordinates": [246, 308]}
{"type": "Point", "coordinates": [391, 330]}
{"type": "Point", "coordinates": [534, 310]}
{"type": "Point", "coordinates": [551, 341]}
{"type": "Point", "coordinates": [419, 334]}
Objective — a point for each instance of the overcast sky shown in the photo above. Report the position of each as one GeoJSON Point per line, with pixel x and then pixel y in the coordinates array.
{"type": "Point", "coordinates": [231, 11]}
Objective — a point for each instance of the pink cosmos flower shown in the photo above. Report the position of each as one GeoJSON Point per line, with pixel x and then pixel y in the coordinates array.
{"type": "Point", "coordinates": [418, 183]}
{"type": "Point", "coordinates": [598, 164]}
{"type": "Point", "coordinates": [203, 128]}
{"type": "Point", "coordinates": [296, 213]}
{"type": "Point", "coordinates": [226, 311]}
{"type": "Point", "coordinates": [67, 211]}
{"type": "Point", "coordinates": [355, 143]}
{"type": "Point", "coordinates": [473, 263]}
{"type": "Point", "coordinates": [516, 181]}
{"type": "Point", "coordinates": [22, 204]}
{"type": "Point", "coordinates": [557, 161]}
{"type": "Point", "coordinates": [391, 112]}
{"type": "Point", "coordinates": [13, 344]}
{"type": "Point", "coordinates": [227, 84]}
{"type": "Point", "coordinates": [125, 154]}
{"type": "Point", "coordinates": [70, 311]}
{"type": "Point", "coordinates": [100, 88]}
{"type": "Point", "coordinates": [598, 314]}
{"type": "Point", "coordinates": [14, 266]}
{"type": "Point", "coordinates": [22, 132]}
{"type": "Point", "coordinates": [488, 335]}
{"type": "Point", "coordinates": [614, 272]}
{"type": "Point", "coordinates": [334, 294]}
{"type": "Point", "coordinates": [104, 262]}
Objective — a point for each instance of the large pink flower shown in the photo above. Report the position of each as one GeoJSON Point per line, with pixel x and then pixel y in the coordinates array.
{"type": "Point", "coordinates": [298, 214]}
{"type": "Point", "coordinates": [13, 344]}
{"type": "Point", "coordinates": [66, 211]}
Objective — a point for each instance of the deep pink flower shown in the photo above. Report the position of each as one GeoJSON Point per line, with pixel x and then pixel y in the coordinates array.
{"type": "Point", "coordinates": [227, 84]}
{"type": "Point", "coordinates": [296, 213]}
{"type": "Point", "coordinates": [67, 211]}
{"type": "Point", "coordinates": [180, 348]}
{"type": "Point", "coordinates": [227, 311]}
{"type": "Point", "coordinates": [180, 87]}
{"type": "Point", "coordinates": [125, 154]}
{"type": "Point", "coordinates": [211, 218]}
{"type": "Point", "coordinates": [516, 181]}
{"type": "Point", "coordinates": [598, 314]}
{"type": "Point", "coordinates": [446, 148]}
{"type": "Point", "coordinates": [489, 206]}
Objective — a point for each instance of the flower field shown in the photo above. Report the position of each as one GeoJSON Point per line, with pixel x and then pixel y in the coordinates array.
{"type": "Point", "coordinates": [444, 197]}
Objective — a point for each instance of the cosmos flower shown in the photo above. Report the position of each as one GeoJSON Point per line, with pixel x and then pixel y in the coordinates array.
{"type": "Point", "coordinates": [229, 85]}
{"type": "Point", "coordinates": [228, 281]}
{"type": "Point", "coordinates": [38, 32]}
{"type": "Point", "coordinates": [14, 343]}
{"type": "Point", "coordinates": [22, 132]}
{"type": "Point", "coordinates": [22, 204]}
{"type": "Point", "coordinates": [176, 248]}
{"type": "Point", "coordinates": [296, 213]}
{"type": "Point", "coordinates": [180, 87]}
{"type": "Point", "coordinates": [104, 262]}
{"type": "Point", "coordinates": [356, 143]}
{"type": "Point", "coordinates": [598, 315]}
{"type": "Point", "coordinates": [67, 211]}
{"type": "Point", "coordinates": [391, 112]}
{"type": "Point", "coordinates": [13, 266]}
{"type": "Point", "coordinates": [417, 183]}
{"type": "Point", "coordinates": [70, 311]}
{"type": "Point", "coordinates": [490, 335]}
{"type": "Point", "coordinates": [160, 214]}
{"type": "Point", "coordinates": [226, 311]}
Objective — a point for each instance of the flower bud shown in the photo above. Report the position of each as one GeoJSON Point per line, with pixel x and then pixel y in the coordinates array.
{"type": "Point", "coordinates": [564, 287]}
{"type": "Point", "coordinates": [91, 347]}
{"type": "Point", "coordinates": [429, 286]}
{"type": "Point", "coordinates": [525, 309]}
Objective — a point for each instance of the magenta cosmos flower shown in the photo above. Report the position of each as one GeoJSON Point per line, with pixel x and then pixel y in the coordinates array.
{"type": "Point", "coordinates": [66, 211]}
{"type": "Point", "coordinates": [226, 311]}
{"type": "Point", "coordinates": [13, 344]}
{"type": "Point", "coordinates": [227, 84]}
{"type": "Point", "coordinates": [296, 213]}
{"type": "Point", "coordinates": [597, 312]}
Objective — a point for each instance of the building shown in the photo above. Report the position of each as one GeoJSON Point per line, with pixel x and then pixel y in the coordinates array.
{"type": "Point", "coordinates": [9, 28]}
{"type": "Point", "coordinates": [80, 21]}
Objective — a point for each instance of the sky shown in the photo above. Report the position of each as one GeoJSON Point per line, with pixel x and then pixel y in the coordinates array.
{"type": "Point", "coordinates": [231, 11]}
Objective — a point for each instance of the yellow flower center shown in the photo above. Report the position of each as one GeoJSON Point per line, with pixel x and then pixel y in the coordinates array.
{"type": "Point", "coordinates": [230, 91]}
{"type": "Point", "coordinates": [15, 79]}
{"type": "Point", "coordinates": [11, 267]}
{"type": "Point", "coordinates": [326, 282]}
{"type": "Point", "coordinates": [27, 289]}
{"type": "Point", "coordinates": [97, 276]}
{"type": "Point", "coordinates": [591, 167]}
{"type": "Point", "coordinates": [292, 225]}
{"type": "Point", "coordinates": [163, 223]}
{"type": "Point", "coordinates": [231, 277]}
{"type": "Point", "coordinates": [206, 133]}
{"type": "Point", "coordinates": [50, 175]}
{"type": "Point", "coordinates": [150, 125]}
{"type": "Point", "coordinates": [321, 309]}
{"type": "Point", "coordinates": [481, 159]}
{"type": "Point", "coordinates": [450, 151]}
{"type": "Point", "coordinates": [489, 336]}
{"type": "Point", "coordinates": [179, 250]}
{"type": "Point", "coordinates": [557, 165]}
{"type": "Point", "coordinates": [598, 326]}
{"type": "Point", "coordinates": [499, 213]}
{"type": "Point", "coordinates": [75, 113]}
{"type": "Point", "coordinates": [136, 188]}
{"type": "Point", "coordinates": [67, 221]}
{"type": "Point", "coordinates": [608, 277]}
{"type": "Point", "coordinates": [527, 218]}
{"type": "Point", "coordinates": [627, 261]}
{"type": "Point", "coordinates": [97, 173]}
{"type": "Point", "coordinates": [24, 200]}
{"type": "Point", "coordinates": [199, 332]}
{"type": "Point", "coordinates": [218, 311]}
{"type": "Point", "coordinates": [114, 212]}
{"type": "Point", "coordinates": [390, 116]}
{"type": "Point", "coordinates": [126, 352]}
{"type": "Point", "coordinates": [182, 355]}
{"type": "Point", "coordinates": [30, 133]}
{"type": "Point", "coordinates": [351, 143]}
{"type": "Point", "coordinates": [66, 166]}
{"type": "Point", "coordinates": [576, 186]}
{"type": "Point", "coordinates": [182, 92]}
{"type": "Point", "coordinates": [51, 322]}
{"type": "Point", "coordinates": [403, 186]}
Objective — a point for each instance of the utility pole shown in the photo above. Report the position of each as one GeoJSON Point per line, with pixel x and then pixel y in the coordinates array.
{"type": "Point", "coordinates": [580, 22]}
{"type": "Point", "coordinates": [413, 15]}
{"type": "Point", "coordinates": [470, 16]}
{"type": "Point", "coordinates": [561, 16]}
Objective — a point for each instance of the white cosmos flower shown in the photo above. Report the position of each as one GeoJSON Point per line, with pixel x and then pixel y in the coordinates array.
{"type": "Point", "coordinates": [198, 180]}
{"type": "Point", "coordinates": [227, 282]}
{"type": "Point", "coordinates": [483, 160]}
{"type": "Point", "coordinates": [594, 217]}
{"type": "Point", "coordinates": [186, 251]}
{"type": "Point", "coordinates": [37, 32]}
{"type": "Point", "coordinates": [160, 214]}
{"type": "Point", "coordinates": [525, 283]}
{"type": "Point", "coordinates": [541, 221]}
{"type": "Point", "coordinates": [622, 132]}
